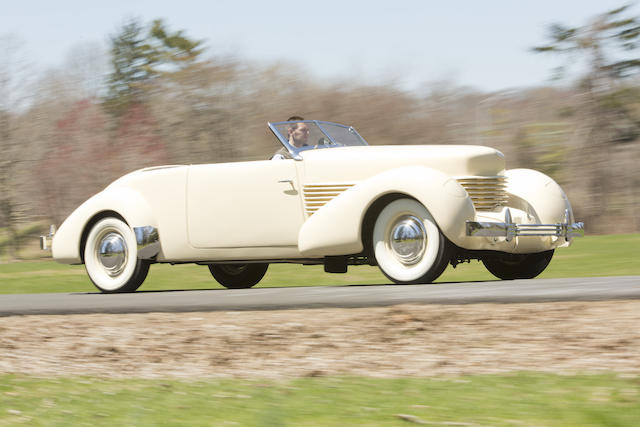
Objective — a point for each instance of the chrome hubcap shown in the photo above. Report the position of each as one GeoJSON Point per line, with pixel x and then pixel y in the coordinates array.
{"type": "Point", "coordinates": [408, 239]}
{"type": "Point", "coordinates": [112, 253]}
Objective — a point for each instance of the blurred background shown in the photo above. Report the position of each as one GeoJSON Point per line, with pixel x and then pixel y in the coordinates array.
{"type": "Point", "coordinates": [89, 93]}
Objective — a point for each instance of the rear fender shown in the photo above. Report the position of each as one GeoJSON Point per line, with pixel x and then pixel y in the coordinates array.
{"type": "Point", "coordinates": [336, 228]}
{"type": "Point", "coordinates": [125, 202]}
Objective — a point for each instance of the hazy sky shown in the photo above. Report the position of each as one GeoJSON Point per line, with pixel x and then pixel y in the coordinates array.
{"type": "Point", "coordinates": [484, 44]}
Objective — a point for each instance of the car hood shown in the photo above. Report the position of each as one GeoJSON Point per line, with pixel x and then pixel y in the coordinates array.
{"type": "Point", "coordinates": [357, 163]}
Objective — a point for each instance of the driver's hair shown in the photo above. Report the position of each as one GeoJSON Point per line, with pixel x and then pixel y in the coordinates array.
{"type": "Point", "coordinates": [294, 119]}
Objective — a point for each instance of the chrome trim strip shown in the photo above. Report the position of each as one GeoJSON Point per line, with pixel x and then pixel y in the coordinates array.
{"type": "Point", "coordinates": [148, 241]}
{"type": "Point", "coordinates": [509, 230]}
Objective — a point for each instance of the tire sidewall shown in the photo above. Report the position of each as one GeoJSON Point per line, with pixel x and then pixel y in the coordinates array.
{"type": "Point", "coordinates": [245, 278]}
{"type": "Point", "coordinates": [528, 267]}
{"type": "Point", "coordinates": [385, 258]}
{"type": "Point", "coordinates": [96, 271]}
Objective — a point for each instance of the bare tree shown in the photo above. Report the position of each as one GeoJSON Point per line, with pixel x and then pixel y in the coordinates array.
{"type": "Point", "coordinates": [87, 64]}
{"type": "Point", "coordinates": [12, 99]}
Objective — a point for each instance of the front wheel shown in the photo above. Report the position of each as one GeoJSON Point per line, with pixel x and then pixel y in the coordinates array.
{"type": "Point", "coordinates": [408, 245]}
{"type": "Point", "coordinates": [111, 257]}
{"type": "Point", "coordinates": [518, 266]}
{"type": "Point", "coordinates": [238, 276]}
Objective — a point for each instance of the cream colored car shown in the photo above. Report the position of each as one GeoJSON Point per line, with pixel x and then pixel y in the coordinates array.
{"type": "Point", "coordinates": [411, 210]}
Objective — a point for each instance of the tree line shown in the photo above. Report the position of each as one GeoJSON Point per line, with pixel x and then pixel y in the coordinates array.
{"type": "Point", "coordinates": [67, 134]}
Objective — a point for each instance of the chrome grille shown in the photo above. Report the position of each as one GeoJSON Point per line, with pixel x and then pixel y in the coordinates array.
{"type": "Point", "coordinates": [318, 195]}
{"type": "Point", "coordinates": [486, 192]}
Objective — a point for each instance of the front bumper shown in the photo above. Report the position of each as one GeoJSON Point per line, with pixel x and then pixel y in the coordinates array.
{"type": "Point", "coordinates": [508, 229]}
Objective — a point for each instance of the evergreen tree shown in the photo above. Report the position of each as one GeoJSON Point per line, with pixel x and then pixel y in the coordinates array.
{"type": "Point", "coordinates": [609, 43]}
{"type": "Point", "coordinates": [138, 57]}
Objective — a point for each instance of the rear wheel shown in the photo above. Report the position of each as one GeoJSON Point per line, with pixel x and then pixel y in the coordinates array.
{"type": "Point", "coordinates": [518, 266]}
{"type": "Point", "coordinates": [111, 257]}
{"type": "Point", "coordinates": [408, 245]}
{"type": "Point", "coordinates": [238, 276]}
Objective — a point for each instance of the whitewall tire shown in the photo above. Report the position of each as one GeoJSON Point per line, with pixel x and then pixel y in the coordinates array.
{"type": "Point", "coordinates": [407, 243]}
{"type": "Point", "coordinates": [110, 257]}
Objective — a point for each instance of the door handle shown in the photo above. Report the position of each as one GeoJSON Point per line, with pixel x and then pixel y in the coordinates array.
{"type": "Point", "coordinates": [287, 181]}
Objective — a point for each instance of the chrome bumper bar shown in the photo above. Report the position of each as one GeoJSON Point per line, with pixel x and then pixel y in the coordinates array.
{"type": "Point", "coordinates": [45, 241]}
{"type": "Point", "coordinates": [508, 229]}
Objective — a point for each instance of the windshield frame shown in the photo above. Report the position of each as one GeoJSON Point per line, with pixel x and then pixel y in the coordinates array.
{"type": "Point", "coordinates": [295, 152]}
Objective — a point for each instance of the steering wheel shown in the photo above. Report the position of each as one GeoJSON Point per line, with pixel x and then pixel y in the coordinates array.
{"type": "Point", "coordinates": [327, 143]}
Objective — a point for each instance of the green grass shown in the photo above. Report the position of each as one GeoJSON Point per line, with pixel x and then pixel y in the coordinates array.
{"type": "Point", "coordinates": [520, 399]}
{"type": "Point", "coordinates": [615, 255]}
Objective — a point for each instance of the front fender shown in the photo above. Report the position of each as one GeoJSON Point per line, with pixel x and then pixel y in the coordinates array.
{"type": "Point", "coordinates": [335, 229]}
{"type": "Point", "coordinates": [538, 195]}
{"type": "Point", "coordinates": [126, 202]}
{"type": "Point", "coordinates": [543, 201]}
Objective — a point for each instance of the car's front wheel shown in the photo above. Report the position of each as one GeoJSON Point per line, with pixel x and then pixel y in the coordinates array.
{"type": "Point", "coordinates": [408, 245]}
{"type": "Point", "coordinates": [111, 257]}
{"type": "Point", "coordinates": [238, 276]}
{"type": "Point", "coordinates": [518, 266]}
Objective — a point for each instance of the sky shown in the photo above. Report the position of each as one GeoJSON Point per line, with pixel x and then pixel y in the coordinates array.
{"type": "Point", "coordinates": [411, 43]}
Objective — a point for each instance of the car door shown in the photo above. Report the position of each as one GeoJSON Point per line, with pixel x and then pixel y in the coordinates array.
{"type": "Point", "coordinates": [246, 204]}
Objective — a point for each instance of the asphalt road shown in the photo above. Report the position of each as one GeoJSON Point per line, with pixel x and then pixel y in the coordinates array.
{"type": "Point", "coordinates": [514, 291]}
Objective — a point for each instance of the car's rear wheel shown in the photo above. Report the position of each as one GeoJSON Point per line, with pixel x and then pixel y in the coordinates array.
{"type": "Point", "coordinates": [407, 243]}
{"type": "Point", "coordinates": [238, 276]}
{"type": "Point", "coordinates": [111, 257]}
{"type": "Point", "coordinates": [518, 266]}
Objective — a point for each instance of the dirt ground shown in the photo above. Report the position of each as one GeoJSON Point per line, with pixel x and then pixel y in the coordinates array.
{"type": "Point", "coordinates": [405, 340]}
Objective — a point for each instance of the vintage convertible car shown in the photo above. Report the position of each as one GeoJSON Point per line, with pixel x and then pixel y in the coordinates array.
{"type": "Point", "coordinates": [411, 210]}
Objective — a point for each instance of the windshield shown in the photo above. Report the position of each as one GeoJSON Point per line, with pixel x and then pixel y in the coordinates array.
{"type": "Point", "coordinates": [304, 135]}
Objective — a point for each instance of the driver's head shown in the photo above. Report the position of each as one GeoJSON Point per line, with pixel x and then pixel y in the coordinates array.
{"type": "Point", "coordinates": [298, 132]}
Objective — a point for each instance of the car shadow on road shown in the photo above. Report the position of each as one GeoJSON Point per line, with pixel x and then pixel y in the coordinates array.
{"type": "Point", "coordinates": [337, 285]}
{"type": "Point", "coordinates": [422, 284]}
{"type": "Point", "coordinates": [148, 291]}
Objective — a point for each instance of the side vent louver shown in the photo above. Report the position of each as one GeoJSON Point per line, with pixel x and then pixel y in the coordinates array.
{"type": "Point", "coordinates": [318, 195]}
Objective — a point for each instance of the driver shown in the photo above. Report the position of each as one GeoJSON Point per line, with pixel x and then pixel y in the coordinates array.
{"type": "Point", "coordinates": [298, 136]}
{"type": "Point", "coordinates": [298, 132]}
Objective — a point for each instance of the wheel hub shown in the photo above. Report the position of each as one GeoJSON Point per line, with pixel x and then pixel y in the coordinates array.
{"type": "Point", "coordinates": [112, 253]}
{"type": "Point", "coordinates": [408, 239]}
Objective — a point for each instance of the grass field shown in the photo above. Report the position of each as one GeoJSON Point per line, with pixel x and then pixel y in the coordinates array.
{"type": "Point", "coordinates": [521, 399]}
{"type": "Point", "coordinates": [616, 255]}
